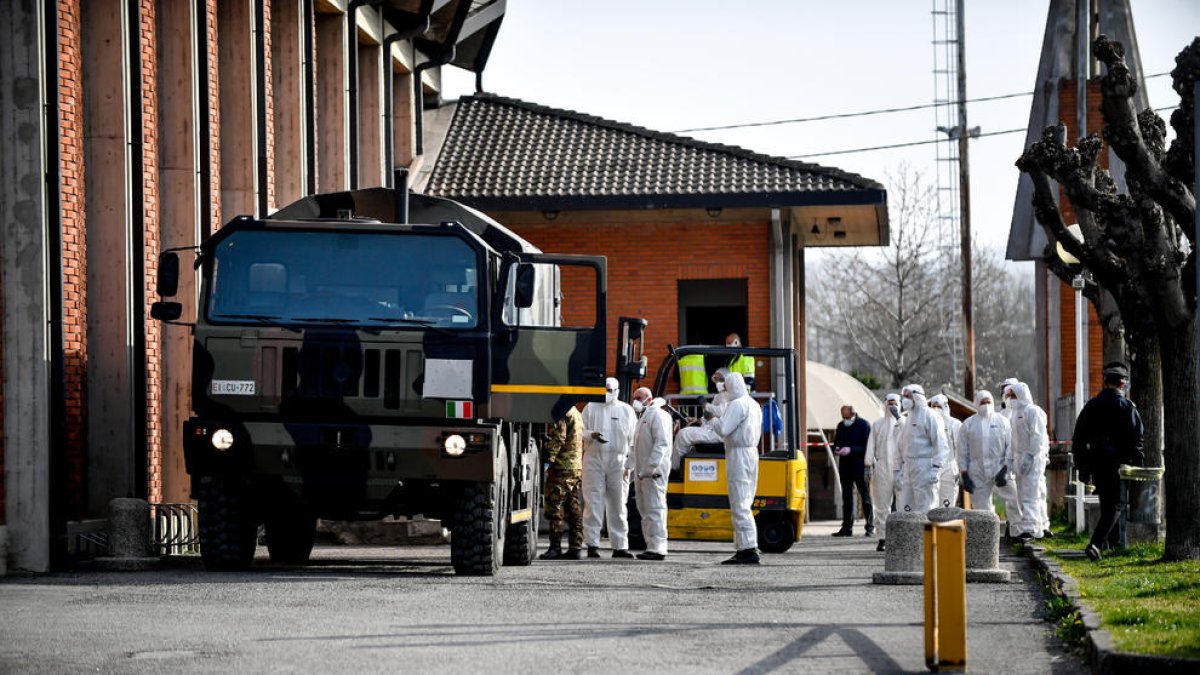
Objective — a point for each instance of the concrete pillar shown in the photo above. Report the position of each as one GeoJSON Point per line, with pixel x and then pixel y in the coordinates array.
{"type": "Point", "coordinates": [110, 257]}
{"type": "Point", "coordinates": [333, 143]}
{"type": "Point", "coordinates": [370, 117]}
{"type": "Point", "coordinates": [236, 68]}
{"type": "Point", "coordinates": [128, 537]}
{"type": "Point", "coordinates": [982, 544]}
{"type": "Point", "coordinates": [290, 105]}
{"type": "Point", "coordinates": [179, 195]}
{"type": "Point", "coordinates": [905, 550]}
{"type": "Point", "coordinates": [404, 125]}
{"type": "Point", "coordinates": [23, 267]}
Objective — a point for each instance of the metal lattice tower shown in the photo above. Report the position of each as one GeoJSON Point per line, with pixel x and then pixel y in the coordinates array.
{"type": "Point", "coordinates": [945, 99]}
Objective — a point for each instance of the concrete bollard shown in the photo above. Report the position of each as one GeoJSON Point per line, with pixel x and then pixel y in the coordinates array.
{"type": "Point", "coordinates": [903, 550]}
{"type": "Point", "coordinates": [983, 543]}
{"type": "Point", "coordinates": [128, 537]}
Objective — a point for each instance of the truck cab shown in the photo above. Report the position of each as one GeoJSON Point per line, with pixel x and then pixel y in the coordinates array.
{"type": "Point", "coordinates": [365, 354]}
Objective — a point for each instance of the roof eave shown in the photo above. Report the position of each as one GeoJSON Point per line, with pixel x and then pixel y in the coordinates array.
{"type": "Point", "coordinates": [679, 201]}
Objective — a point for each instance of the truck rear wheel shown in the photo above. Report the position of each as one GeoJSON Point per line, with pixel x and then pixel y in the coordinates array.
{"type": "Point", "coordinates": [228, 532]}
{"type": "Point", "coordinates": [520, 543]}
{"type": "Point", "coordinates": [476, 547]}
{"type": "Point", "coordinates": [776, 533]}
{"type": "Point", "coordinates": [290, 535]}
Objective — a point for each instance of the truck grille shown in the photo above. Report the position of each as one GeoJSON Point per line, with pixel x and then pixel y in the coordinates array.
{"type": "Point", "coordinates": [335, 371]}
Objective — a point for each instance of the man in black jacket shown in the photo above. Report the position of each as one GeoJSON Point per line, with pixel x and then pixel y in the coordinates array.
{"type": "Point", "coordinates": [850, 443]}
{"type": "Point", "coordinates": [1108, 434]}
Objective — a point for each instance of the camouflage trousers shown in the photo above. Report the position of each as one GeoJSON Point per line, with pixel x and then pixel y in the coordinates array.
{"type": "Point", "coordinates": [564, 506]}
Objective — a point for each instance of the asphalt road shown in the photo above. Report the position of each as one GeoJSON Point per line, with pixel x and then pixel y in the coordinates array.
{"type": "Point", "coordinates": [365, 610]}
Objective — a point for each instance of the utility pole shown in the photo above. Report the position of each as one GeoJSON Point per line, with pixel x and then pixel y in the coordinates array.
{"type": "Point", "coordinates": [964, 196]}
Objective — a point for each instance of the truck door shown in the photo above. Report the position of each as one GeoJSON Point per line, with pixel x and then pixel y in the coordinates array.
{"type": "Point", "coordinates": [550, 335]}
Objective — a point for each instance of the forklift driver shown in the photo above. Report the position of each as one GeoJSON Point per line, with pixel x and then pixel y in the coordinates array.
{"type": "Point", "coordinates": [705, 432]}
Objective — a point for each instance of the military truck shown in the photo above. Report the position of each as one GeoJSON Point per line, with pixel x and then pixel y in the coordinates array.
{"type": "Point", "coordinates": [371, 353]}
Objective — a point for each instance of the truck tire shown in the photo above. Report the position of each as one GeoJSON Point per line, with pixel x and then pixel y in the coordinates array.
{"type": "Point", "coordinates": [520, 543]}
{"type": "Point", "coordinates": [476, 549]}
{"type": "Point", "coordinates": [290, 536]}
{"type": "Point", "coordinates": [228, 531]}
{"type": "Point", "coordinates": [776, 533]}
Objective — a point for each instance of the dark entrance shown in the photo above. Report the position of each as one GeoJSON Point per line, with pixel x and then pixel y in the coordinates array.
{"type": "Point", "coordinates": [710, 309]}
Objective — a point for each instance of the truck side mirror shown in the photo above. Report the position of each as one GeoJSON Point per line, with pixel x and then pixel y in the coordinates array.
{"type": "Point", "coordinates": [166, 311]}
{"type": "Point", "coordinates": [523, 296]}
{"type": "Point", "coordinates": [168, 274]}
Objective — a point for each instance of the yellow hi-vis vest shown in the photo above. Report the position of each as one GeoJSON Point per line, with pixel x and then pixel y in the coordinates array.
{"type": "Point", "coordinates": [692, 380]}
{"type": "Point", "coordinates": [743, 364]}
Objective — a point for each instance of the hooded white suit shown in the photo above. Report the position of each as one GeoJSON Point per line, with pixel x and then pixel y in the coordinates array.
{"type": "Point", "coordinates": [604, 487]}
{"type": "Point", "coordinates": [984, 447]}
{"type": "Point", "coordinates": [651, 463]}
{"type": "Point", "coordinates": [741, 428]}
{"type": "Point", "coordinates": [923, 451]}
{"type": "Point", "coordinates": [881, 460]}
{"type": "Point", "coordinates": [948, 478]}
{"type": "Point", "coordinates": [1031, 452]}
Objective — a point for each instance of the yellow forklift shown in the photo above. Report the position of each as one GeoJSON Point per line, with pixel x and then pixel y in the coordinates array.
{"type": "Point", "coordinates": [697, 493]}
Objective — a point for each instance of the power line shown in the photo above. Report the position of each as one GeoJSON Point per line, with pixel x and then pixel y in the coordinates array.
{"type": "Point", "coordinates": [863, 113]}
{"type": "Point", "coordinates": [897, 145]}
{"type": "Point", "coordinates": [912, 143]}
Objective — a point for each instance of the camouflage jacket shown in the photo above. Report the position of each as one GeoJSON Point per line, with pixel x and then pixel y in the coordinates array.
{"type": "Point", "coordinates": [564, 442]}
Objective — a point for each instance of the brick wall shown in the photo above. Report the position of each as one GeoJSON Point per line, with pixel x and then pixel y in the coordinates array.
{"type": "Point", "coordinates": [74, 240]}
{"type": "Point", "coordinates": [150, 207]}
{"type": "Point", "coordinates": [1067, 99]}
{"type": "Point", "coordinates": [646, 261]}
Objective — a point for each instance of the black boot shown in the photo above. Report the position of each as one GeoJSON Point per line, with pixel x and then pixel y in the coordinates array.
{"type": "Point", "coordinates": [844, 532]}
{"type": "Point", "coordinates": [554, 552]}
{"type": "Point", "coordinates": [593, 551]}
{"type": "Point", "coordinates": [746, 556]}
{"type": "Point", "coordinates": [621, 553]}
{"type": "Point", "coordinates": [880, 546]}
{"type": "Point", "coordinates": [574, 553]}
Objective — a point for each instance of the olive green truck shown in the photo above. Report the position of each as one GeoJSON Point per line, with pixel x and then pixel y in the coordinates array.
{"type": "Point", "coordinates": [371, 353]}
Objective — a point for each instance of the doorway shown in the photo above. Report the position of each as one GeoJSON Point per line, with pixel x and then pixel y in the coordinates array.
{"type": "Point", "coordinates": [710, 309]}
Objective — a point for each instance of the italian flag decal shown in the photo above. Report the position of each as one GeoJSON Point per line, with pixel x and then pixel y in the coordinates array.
{"type": "Point", "coordinates": [460, 409]}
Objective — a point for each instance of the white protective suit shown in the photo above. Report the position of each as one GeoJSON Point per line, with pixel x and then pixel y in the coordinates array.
{"type": "Point", "coordinates": [740, 426]}
{"type": "Point", "coordinates": [984, 447]}
{"type": "Point", "coordinates": [922, 450]}
{"type": "Point", "coordinates": [948, 479]}
{"type": "Point", "coordinates": [881, 462]}
{"type": "Point", "coordinates": [604, 486]}
{"type": "Point", "coordinates": [1012, 504]}
{"type": "Point", "coordinates": [1031, 452]}
{"type": "Point", "coordinates": [651, 463]}
{"type": "Point", "coordinates": [705, 432]}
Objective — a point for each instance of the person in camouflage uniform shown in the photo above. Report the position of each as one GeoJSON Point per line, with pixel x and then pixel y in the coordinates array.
{"type": "Point", "coordinates": [564, 503]}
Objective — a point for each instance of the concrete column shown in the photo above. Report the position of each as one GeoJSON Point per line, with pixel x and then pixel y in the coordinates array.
{"type": "Point", "coordinates": [236, 68]}
{"type": "Point", "coordinates": [290, 106]}
{"type": "Point", "coordinates": [370, 116]}
{"type": "Point", "coordinates": [179, 206]}
{"type": "Point", "coordinates": [333, 143]}
{"type": "Point", "coordinates": [23, 267]}
{"type": "Point", "coordinates": [107, 162]}
{"type": "Point", "coordinates": [404, 137]}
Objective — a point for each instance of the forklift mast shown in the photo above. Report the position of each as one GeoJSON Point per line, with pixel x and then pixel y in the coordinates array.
{"type": "Point", "coordinates": [631, 357]}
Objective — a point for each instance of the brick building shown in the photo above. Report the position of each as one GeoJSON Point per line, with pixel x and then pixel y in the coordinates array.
{"type": "Point", "coordinates": [701, 239]}
{"type": "Point", "coordinates": [133, 126]}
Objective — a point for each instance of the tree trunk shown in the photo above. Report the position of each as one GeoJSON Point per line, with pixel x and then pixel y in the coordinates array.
{"type": "Point", "coordinates": [1146, 388]}
{"type": "Point", "coordinates": [1181, 453]}
{"type": "Point", "coordinates": [1114, 329]}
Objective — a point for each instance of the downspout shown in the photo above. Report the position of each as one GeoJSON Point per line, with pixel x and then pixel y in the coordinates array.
{"type": "Point", "coordinates": [57, 417]}
{"type": "Point", "coordinates": [260, 108]}
{"type": "Point", "coordinates": [779, 291]}
{"type": "Point", "coordinates": [203, 119]}
{"type": "Point", "coordinates": [446, 56]}
{"type": "Point", "coordinates": [137, 263]}
{"type": "Point", "coordinates": [352, 87]}
{"type": "Point", "coordinates": [389, 88]}
{"type": "Point", "coordinates": [310, 101]}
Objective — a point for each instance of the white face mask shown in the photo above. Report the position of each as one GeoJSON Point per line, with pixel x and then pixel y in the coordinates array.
{"type": "Point", "coordinates": [735, 344]}
{"type": "Point", "coordinates": [610, 396]}
{"type": "Point", "coordinates": [986, 409]}
{"type": "Point", "coordinates": [906, 403]}
{"type": "Point", "coordinates": [638, 406]}
{"type": "Point", "coordinates": [848, 422]}
{"type": "Point", "coordinates": [894, 410]}
{"type": "Point", "coordinates": [720, 386]}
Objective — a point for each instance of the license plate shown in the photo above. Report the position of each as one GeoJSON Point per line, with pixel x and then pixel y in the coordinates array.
{"type": "Point", "coordinates": [233, 387]}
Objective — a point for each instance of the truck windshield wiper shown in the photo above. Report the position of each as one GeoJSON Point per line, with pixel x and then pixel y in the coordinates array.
{"type": "Point", "coordinates": [255, 317]}
{"type": "Point", "coordinates": [324, 319]}
{"type": "Point", "coordinates": [424, 323]}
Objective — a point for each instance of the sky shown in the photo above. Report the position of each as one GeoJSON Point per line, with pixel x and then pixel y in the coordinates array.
{"type": "Point", "coordinates": [670, 65]}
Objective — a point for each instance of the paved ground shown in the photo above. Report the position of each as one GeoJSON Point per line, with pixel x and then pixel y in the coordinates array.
{"type": "Point", "coordinates": [812, 609]}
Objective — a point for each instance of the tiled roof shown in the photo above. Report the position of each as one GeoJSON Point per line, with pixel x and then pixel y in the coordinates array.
{"type": "Point", "coordinates": [504, 153]}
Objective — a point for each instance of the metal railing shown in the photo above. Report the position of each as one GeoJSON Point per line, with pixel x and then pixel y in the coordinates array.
{"type": "Point", "coordinates": [174, 529]}
{"type": "Point", "coordinates": [688, 406]}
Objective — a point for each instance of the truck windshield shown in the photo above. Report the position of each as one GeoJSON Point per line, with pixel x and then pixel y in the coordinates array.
{"type": "Point", "coordinates": [340, 278]}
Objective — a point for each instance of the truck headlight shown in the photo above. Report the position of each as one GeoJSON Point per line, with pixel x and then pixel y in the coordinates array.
{"type": "Point", "coordinates": [222, 439]}
{"type": "Point", "coordinates": [455, 445]}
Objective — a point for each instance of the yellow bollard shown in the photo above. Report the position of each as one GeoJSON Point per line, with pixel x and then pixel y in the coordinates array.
{"type": "Point", "coordinates": [946, 596]}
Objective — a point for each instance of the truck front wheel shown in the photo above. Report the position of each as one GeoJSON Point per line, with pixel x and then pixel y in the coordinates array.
{"type": "Point", "coordinates": [476, 547]}
{"type": "Point", "coordinates": [228, 531]}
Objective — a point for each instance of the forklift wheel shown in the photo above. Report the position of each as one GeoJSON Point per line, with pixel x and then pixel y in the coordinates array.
{"type": "Point", "coordinates": [776, 533]}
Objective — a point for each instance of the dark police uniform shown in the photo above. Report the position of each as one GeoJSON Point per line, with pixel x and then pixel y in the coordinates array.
{"type": "Point", "coordinates": [1108, 433]}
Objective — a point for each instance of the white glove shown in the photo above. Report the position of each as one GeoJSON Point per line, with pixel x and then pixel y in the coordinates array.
{"type": "Point", "coordinates": [710, 410]}
{"type": "Point", "coordinates": [1026, 464]}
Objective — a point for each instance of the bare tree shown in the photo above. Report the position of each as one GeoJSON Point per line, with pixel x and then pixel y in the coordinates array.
{"type": "Point", "coordinates": [1139, 246]}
